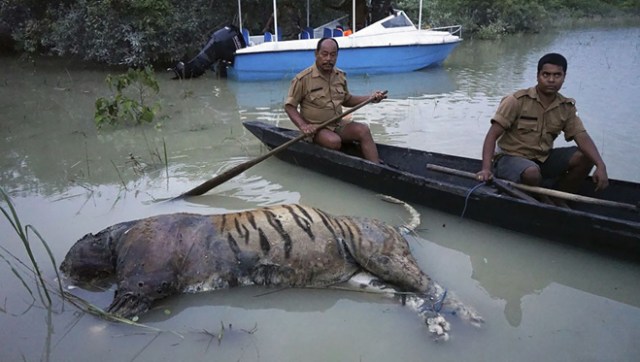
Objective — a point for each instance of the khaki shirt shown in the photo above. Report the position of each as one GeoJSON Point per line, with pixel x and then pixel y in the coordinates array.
{"type": "Point", "coordinates": [530, 129]}
{"type": "Point", "coordinates": [319, 98]}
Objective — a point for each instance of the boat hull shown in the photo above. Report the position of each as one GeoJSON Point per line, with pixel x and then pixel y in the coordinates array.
{"type": "Point", "coordinates": [284, 64]}
{"type": "Point", "coordinates": [601, 228]}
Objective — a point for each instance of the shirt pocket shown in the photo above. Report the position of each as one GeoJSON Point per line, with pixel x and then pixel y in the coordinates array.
{"type": "Point", "coordinates": [527, 130]}
{"type": "Point", "coordinates": [527, 124]}
{"type": "Point", "coordinates": [338, 94]}
{"type": "Point", "coordinates": [553, 128]}
{"type": "Point", "coordinates": [318, 96]}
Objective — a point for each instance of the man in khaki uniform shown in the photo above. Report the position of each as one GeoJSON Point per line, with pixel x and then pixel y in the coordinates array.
{"type": "Point", "coordinates": [525, 126]}
{"type": "Point", "coordinates": [321, 91]}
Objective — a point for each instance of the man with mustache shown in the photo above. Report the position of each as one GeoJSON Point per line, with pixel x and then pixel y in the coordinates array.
{"type": "Point", "coordinates": [321, 91]}
{"type": "Point", "coordinates": [524, 128]}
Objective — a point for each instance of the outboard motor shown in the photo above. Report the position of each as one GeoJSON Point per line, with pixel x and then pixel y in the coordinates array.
{"type": "Point", "coordinates": [221, 47]}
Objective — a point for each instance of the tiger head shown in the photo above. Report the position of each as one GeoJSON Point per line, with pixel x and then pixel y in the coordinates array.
{"type": "Point", "coordinates": [383, 250]}
{"type": "Point", "coordinates": [91, 261]}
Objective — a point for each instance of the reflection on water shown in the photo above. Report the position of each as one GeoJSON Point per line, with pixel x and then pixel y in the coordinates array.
{"type": "Point", "coordinates": [511, 273]}
{"type": "Point", "coordinates": [400, 86]}
{"type": "Point", "coordinates": [492, 68]}
{"type": "Point", "coordinates": [540, 300]}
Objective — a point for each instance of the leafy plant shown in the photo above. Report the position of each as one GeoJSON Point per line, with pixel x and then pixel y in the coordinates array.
{"type": "Point", "coordinates": [141, 32]}
{"type": "Point", "coordinates": [131, 100]}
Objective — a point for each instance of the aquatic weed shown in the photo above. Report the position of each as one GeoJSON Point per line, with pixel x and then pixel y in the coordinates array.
{"type": "Point", "coordinates": [45, 288]}
{"type": "Point", "coordinates": [23, 232]}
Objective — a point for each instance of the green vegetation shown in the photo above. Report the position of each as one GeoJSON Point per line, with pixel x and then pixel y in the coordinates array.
{"type": "Point", "coordinates": [491, 18]}
{"type": "Point", "coordinates": [23, 233]}
{"type": "Point", "coordinates": [116, 32]}
{"type": "Point", "coordinates": [135, 33]}
{"type": "Point", "coordinates": [44, 287]}
{"type": "Point", "coordinates": [512, 16]}
{"type": "Point", "coordinates": [122, 109]}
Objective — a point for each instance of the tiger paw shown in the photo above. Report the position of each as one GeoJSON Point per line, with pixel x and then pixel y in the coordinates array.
{"type": "Point", "coordinates": [439, 328]}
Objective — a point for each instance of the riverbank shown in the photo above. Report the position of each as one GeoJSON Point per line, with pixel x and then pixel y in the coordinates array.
{"type": "Point", "coordinates": [160, 32]}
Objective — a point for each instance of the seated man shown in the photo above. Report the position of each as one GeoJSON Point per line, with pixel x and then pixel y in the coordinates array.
{"type": "Point", "coordinates": [524, 128]}
{"type": "Point", "coordinates": [321, 91]}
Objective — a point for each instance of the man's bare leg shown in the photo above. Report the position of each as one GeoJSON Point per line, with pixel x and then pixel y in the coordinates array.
{"type": "Point", "coordinates": [361, 133]}
{"type": "Point", "coordinates": [327, 138]}
{"type": "Point", "coordinates": [532, 177]}
{"type": "Point", "coordinates": [579, 168]}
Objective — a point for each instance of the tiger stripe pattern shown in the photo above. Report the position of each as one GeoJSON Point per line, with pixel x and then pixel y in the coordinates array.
{"type": "Point", "coordinates": [285, 245]}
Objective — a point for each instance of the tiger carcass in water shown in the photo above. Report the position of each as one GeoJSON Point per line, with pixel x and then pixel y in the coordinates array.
{"type": "Point", "coordinates": [284, 245]}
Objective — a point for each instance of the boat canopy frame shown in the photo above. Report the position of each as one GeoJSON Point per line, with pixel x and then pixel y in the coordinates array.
{"type": "Point", "coordinates": [353, 18]}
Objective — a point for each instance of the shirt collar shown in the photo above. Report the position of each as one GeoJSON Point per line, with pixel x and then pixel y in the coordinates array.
{"type": "Point", "coordinates": [317, 73]}
{"type": "Point", "coordinates": [533, 93]}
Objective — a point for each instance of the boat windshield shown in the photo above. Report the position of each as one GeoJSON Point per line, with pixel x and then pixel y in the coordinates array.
{"type": "Point", "coordinates": [397, 22]}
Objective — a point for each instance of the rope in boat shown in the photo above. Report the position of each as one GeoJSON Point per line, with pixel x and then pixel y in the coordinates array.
{"type": "Point", "coordinates": [466, 198]}
{"type": "Point", "coordinates": [437, 306]}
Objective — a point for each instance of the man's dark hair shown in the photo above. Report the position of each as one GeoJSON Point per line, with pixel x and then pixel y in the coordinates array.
{"type": "Point", "coordinates": [323, 39]}
{"type": "Point", "coordinates": [553, 58]}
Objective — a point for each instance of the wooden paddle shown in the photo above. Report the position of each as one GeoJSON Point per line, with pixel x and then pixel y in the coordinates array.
{"type": "Point", "coordinates": [223, 177]}
{"type": "Point", "coordinates": [540, 190]}
{"type": "Point", "coordinates": [498, 183]}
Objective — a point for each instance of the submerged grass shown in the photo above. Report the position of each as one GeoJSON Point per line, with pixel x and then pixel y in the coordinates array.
{"type": "Point", "coordinates": [166, 159]}
{"type": "Point", "coordinates": [46, 289]}
{"type": "Point", "coordinates": [12, 216]}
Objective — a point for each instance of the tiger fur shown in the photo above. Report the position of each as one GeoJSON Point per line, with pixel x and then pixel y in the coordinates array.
{"type": "Point", "coordinates": [285, 245]}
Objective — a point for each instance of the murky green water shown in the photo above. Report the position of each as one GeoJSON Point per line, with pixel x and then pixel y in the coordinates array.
{"type": "Point", "coordinates": [541, 301]}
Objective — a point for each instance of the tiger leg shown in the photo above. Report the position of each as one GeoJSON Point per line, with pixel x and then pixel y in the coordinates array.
{"type": "Point", "coordinates": [429, 306]}
{"type": "Point", "coordinates": [368, 283]}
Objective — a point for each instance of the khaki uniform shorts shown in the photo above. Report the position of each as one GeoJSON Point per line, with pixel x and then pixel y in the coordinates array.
{"type": "Point", "coordinates": [511, 167]}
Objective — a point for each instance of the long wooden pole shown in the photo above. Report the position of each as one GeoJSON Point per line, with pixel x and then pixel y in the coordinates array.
{"type": "Point", "coordinates": [498, 183]}
{"type": "Point", "coordinates": [540, 190]}
{"type": "Point", "coordinates": [223, 177]}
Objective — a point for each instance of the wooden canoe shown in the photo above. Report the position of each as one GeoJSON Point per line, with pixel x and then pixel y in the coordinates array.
{"type": "Point", "coordinates": [612, 226]}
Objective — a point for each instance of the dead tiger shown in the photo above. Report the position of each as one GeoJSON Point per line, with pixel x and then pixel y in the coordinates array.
{"type": "Point", "coordinates": [285, 246]}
